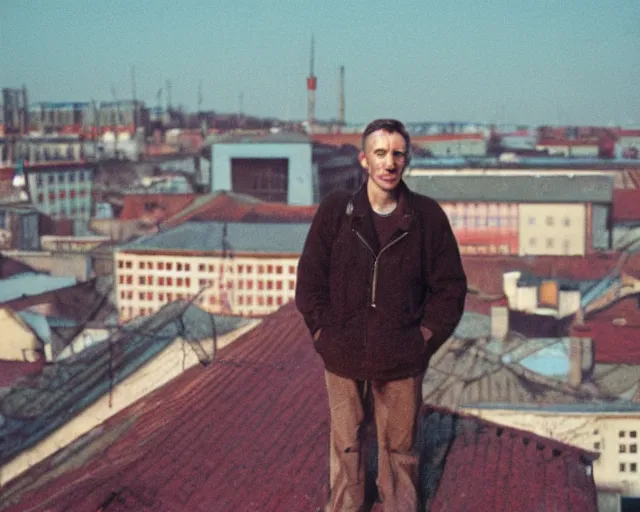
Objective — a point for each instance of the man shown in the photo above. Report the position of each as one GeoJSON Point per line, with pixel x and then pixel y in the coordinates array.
{"type": "Point", "coordinates": [381, 287]}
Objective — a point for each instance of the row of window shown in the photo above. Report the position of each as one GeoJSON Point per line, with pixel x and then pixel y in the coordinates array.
{"type": "Point", "coordinates": [186, 267]}
{"type": "Point", "coordinates": [60, 177]}
{"type": "Point", "coordinates": [550, 221]}
{"type": "Point", "coordinates": [485, 249]}
{"type": "Point", "coordinates": [550, 243]}
{"type": "Point", "coordinates": [186, 283]}
{"type": "Point", "coordinates": [481, 221]}
{"type": "Point", "coordinates": [62, 194]}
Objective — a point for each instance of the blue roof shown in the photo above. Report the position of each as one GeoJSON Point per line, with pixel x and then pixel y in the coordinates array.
{"type": "Point", "coordinates": [582, 407]}
{"type": "Point", "coordinates": [31, 283]}
{"type": "Point", "coordinates": [241, 237]}
{"type": "Point", "coordinates": [38, 324]}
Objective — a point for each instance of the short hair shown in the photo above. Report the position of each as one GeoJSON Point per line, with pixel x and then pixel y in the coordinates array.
{"type": "Point", "coordinates": [388, 125]}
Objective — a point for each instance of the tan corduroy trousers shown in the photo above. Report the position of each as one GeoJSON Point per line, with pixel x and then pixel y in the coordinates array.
{"type": "Point", "coordinates": [396, 405]}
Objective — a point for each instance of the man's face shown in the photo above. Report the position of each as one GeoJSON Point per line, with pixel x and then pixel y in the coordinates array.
{"type": "Point", "coordinates": [384, 158]}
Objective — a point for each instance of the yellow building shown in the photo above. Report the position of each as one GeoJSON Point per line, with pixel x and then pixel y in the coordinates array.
{"type": "Point", "coordinates": [19, 342]}
{"type": "Point", "coordinates": [249, 271]}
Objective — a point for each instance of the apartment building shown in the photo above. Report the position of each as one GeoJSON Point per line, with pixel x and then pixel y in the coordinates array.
{"type": "Point", "coordinates": [63, 191]}
{"type": "Point", "coordinates": [556, 215]}
{"type": "Point", "coordinates": [232, 268]}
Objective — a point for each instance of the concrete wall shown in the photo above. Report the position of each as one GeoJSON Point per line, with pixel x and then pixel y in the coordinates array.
{"type": "Point", "coordinates": [552, 229]}
{"type": "Point", "coordinates": [300, 182]}
{"type": "Point", "coordinates": [606, 433]}
{"type": "Point", "coordinates": [77, 265]}
{"type": "Point", "coordinates": [167, 365]}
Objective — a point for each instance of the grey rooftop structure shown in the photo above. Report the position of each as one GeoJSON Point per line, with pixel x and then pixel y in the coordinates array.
{"type": "Point", "coordinates": [276, 238]}
{"type": "Point", "coordinates": [519, 189]}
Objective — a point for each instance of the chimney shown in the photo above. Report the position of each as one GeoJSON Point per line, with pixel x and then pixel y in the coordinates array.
{"type": "Point", "coordinates": [312, 83]}
{"type": "Point", "coordinates": [510, 285]}
{"type": "Point", "coordinates": [499, 322]}
{"type": "Point", "coordinates": [341, 104]}
{"type": "Point", "coordinates": [575, 361]}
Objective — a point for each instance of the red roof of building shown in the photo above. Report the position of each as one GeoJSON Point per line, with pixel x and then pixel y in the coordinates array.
{"type": "Point", "coordinates": [134, 204]}
{"type": "Point", "coordinates": [12, 372]}
{"type": "Point", "coordinates": [614, 344]}
{"type": "Point", "coordinates": [250, 432]}
{"type": "Point", "coordinates": [231, 207]}
{"type": "Point", "coordinates": [626, 204]}
{"type": "Point", "coordinates": [567, 142]}
{"type": "Point", "coordinates": [621, 132]}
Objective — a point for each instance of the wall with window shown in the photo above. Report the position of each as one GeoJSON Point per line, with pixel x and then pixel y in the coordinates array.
{"type": "Point", "coordinates": [553, 229]}
{"type": "Point", "coordinates": [298, 155]}
{"type": "Point", "coordinates": [484, 228]}
{"type": "Point", "coordinates": [245, 285]}
{"type": "Point", "coordinates": [63, 192]}
{"type": "Point", "coordinates": [615, 436]}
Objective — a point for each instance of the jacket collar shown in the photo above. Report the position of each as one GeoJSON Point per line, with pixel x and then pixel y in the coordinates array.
{"type": "Point", "coordinates": [361, 216]}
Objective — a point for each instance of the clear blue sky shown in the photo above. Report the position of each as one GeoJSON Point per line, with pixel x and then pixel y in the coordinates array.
{"type": "Point", "coordinates": [527, 61]}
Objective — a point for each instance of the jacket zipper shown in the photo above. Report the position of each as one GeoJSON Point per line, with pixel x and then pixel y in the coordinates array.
{"type": "Point", "coordinates": [375, 262]}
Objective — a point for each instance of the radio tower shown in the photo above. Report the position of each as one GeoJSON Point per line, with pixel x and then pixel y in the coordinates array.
{"type": "Point", "coordinates": [311, 91]}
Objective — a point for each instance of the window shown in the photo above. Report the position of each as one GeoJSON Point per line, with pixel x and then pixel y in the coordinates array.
{"type": "Point", "coordinates": [142, 280]}
{"type": "Point", "coordinates": [292, 269]}
{"type": "Point", "coordinates": [141, 265]}
{"type": "Point", "coordinates": [567, 221]}
{"type": "Point", "coordinates": [52, 196]}
{"type": "Point", "coordinates": [149, 295]}
{"type": "Point", "coordinates": [121, 280]}
{"type": "Point", "coordinates": [532, 241]}
{"type": "Point", "coordinates": [621, 433]}
{"type": "Point", "coordinates": [269, 269]}
{"type": "Point", "coordinates": [260, 269]}
{"type": "Point", "coordinates": [169, 266]}
{"type": "Point", "coordinates": [129, 295]}
{"type": "Point", "coordinates": [549, 220]}
{"type": "Point", "coordinates": [269, 285]}
{"type": "Point", "coordinates": [81, 177]}
{"type": "Point", "coordinates": [633, 467]}
{"type": "Point", "coordinates": [202, 267]}
{"type": "Point", "coordinates": [169, 281]}
{"type": "Point", "coordinates": [178, 266]}
{"type": "Point", "coordinates": [292, 285]}
{"type": "Point", "coordinates": [596, 446]}
{"type": "Point", "coordinates": [161, 281]}
{"type": "Point", "coordinates": [50, 179]}
{"type": "Point", "coordinates": [63, 194]}
{"type": "Point", "coordinates": [532, 221]}
{"type": "Point", "coordinates": [278, 285]}
{"type": "Point", "coordinates": [269, 301]}
{"type": "Point", "coordinates": [633, 448]}
{"type": "Point", "coordinates": [160, 265]}
{"type": "Point", "coordinates": [633, 433]}
{"type": "Point", "coordinates": [41, 197]}
{"type": "Point", "coordinates": [179, 281]}
{"type": "Point", "coordinates": [60, 177]}
{"type": "Point", "coordinates": [187, 267]}
{"type": "Point", "coordinates": [129, 279]}
{"type": "Point", "coordinates": [622, 448]}
{"type": "Point", "coordinates": [549, 243]}
{"type": "Point", "coordinates": [240, 269]}
{"type": "Point", "coordinates": [279, 269]}
{"type": "Point", "coordinates": [141, 295]}
{"type": "Point", "coordinates": [72, 176]}
{"type": "Point", "coordinates": [249, 268]}
{"type": "Point", "coordinates": [622, 467]}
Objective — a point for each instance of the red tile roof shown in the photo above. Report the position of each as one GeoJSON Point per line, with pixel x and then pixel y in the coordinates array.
{"type": "Point", "coordinates": [13, 371]}
{"type": "Point", "coordinates": [489, 467]}
{"type": "Point", "coordinates": [614, 344]}
{"type": "Point", "coordinates": [626, 205]}
{"type": "Point", "coordinates": [134, 204]}
{"type": "Point", "coordinates": [250, 433]}
{"type": "Point", "coordinates": [231, 208]}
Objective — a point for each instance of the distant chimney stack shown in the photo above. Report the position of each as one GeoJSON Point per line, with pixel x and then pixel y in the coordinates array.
{"type": "Point", "coordinates": [499, 322]}
{"type": "Point", "coordinates": [575, 361]}
{"type": "Point", "coordinates": [312, 83]}
{"type": "Point", "coordinates": [341, 104]}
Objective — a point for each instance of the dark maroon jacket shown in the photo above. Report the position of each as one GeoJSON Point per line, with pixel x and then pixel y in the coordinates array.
{"type": "Point", "coordinates": [370, 301]}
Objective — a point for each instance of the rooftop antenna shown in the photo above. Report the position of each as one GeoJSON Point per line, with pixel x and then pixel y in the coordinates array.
{"type": "Point", "coordinates": [312, 82]}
